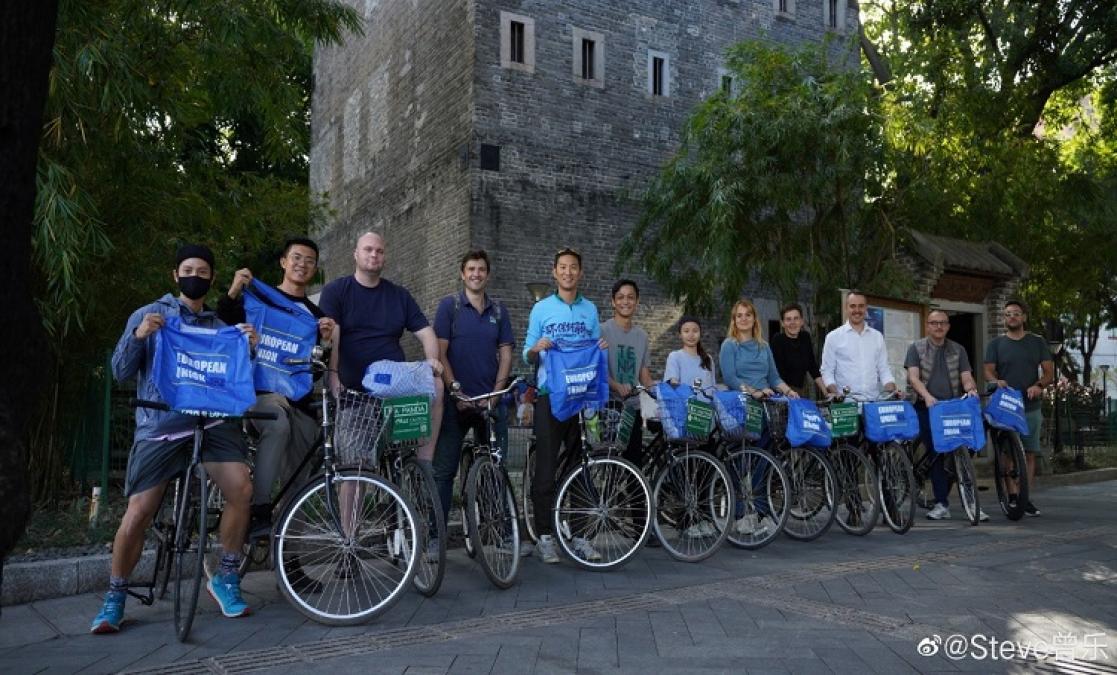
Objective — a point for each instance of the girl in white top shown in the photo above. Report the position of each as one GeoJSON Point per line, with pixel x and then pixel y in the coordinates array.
{"type": "Point", "coordinates": [692, 362]}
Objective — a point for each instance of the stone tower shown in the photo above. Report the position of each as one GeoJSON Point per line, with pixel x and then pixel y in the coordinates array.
{"type": "Point", "coordinates": [521, 127]}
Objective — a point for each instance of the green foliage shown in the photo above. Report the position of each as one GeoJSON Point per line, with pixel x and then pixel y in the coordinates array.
{"type": "Point", "coordinates": [774, 184]}
{"type": "Point", "coordinates": [167, 122]}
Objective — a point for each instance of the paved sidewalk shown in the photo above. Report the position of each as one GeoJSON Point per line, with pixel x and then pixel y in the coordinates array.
{"type": "Point", "coordinates": [1046, 586]}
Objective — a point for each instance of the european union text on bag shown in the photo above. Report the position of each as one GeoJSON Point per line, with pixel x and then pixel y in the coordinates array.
{"type": "Point", "coordinates": [287, 331]}
{"type": "Point", "coordinates": [203, 370]}
{"type": "Point", "coordinates": [887, 421]}
{"type": "Point", "coordinates": [577, 378]}
{"type": "Point", "coordinates": [805, 425]}
{"type": "Point", "coordinates": [1005, 410]}
{"type": "Point", "coordinates": [392, 379]}
{"type": "Point", "coordinates": [956, 423]}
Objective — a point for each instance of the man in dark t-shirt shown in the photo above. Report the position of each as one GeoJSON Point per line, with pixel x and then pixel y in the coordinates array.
{"type": "Point", "coordinates": [372, 313]}
{"type": "Point", "coordinates": [1022, 360]}
{"type": "Point", "coordinates": [793, 352]}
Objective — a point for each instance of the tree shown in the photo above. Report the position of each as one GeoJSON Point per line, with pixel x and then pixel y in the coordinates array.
{"type": "Point", "coordinates": [26, 36]}
{"type": "Point", "coordinates": [775, 184]}
{"type": "Point", "coordinates": [167, 122]}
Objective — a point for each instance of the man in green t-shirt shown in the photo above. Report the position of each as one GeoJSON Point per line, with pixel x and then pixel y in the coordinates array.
{"type": "Point", "coordinates": [1022, 360]}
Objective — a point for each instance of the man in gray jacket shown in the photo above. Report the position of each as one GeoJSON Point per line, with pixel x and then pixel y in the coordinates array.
{"type": "Point", "coordinates": [161, 448]}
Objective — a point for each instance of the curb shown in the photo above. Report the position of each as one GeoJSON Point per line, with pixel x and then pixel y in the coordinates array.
{"type": "Point", "coordinates": [45, 579]}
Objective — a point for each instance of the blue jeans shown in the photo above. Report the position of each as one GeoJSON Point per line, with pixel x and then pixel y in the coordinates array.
{"type": "Point", "coordinates": [940, 482]}
{"type": "Point", "coordinates": [448, 450]}
{"type": "Point", "coordinates": [759, 476]}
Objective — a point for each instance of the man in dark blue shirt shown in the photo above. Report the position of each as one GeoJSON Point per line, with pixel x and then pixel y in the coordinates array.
{"type": "Point", "coordinates": [475, 343]}
{"type": "Point", "coordinates": [371, 314]}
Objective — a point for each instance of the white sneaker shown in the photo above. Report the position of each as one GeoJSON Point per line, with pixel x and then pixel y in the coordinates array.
{"type": "Point", "coordinates": [746, 524]}
{"type": "Point", "coordinates": [700, 530]}
{"type": "Point", "coordinates": [585, 550]}
{"type": "Point", "coordinates": [939, 512]}
{"type": "Point", "coordinates": [982, 516]}
{"type": "Point", "coordinates": [546, 549]}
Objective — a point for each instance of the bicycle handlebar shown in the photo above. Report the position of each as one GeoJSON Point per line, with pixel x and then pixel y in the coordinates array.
{"type": "Point", "coordinates": [160, 405]}
{"type": "Point", "coordinates": [456, 392]}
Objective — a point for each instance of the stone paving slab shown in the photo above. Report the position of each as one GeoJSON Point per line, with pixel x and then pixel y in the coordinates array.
{"type": "Point", "coordinates": [840, 604]}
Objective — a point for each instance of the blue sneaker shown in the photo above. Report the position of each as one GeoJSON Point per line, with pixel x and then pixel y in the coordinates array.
{"type": "Point", "coordinates": [225, 589]}
{"type": "Point", "coordinates": [112, 613]}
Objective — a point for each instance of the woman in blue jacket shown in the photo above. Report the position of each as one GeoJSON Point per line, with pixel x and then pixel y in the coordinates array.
{"type": "Point", "coordinates": [746, 359]}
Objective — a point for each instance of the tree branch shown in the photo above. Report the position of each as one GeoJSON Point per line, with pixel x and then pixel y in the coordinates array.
{"type": "Point", "coordinates": [881, 70]}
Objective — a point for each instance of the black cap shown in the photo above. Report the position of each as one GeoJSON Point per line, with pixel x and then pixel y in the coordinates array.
{"type": "Point", "coordinates": [187, 251]}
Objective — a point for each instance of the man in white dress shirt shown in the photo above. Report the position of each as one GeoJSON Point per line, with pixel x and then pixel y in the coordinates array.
{"type": "Point", "coordinates": [854, 355]}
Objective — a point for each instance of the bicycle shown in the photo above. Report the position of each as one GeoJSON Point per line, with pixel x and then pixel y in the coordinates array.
{"type": "Point", "coordinates": [860, 490]}
{"type": "Point", "coordinates": [488, 502]}
{"type": "Point", "coordinates": [892, 459]}
{"type": "Point", "coordinates": [760, 484]}
{"type": "Point", "coordinates": [960, 470]}
{"type": "Point", "coordinates": [182, 535]}
{"type": "Point", "coordinates": [812, 483]}
{"type": "Point", "coordinates": [346, 543]}
{"type": "Point", "coordinates": [692, 491]}
{"type": "Point", "coordinates": [1010, 474]}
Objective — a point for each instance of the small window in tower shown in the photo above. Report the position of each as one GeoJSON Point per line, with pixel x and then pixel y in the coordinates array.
{"type": "Point", "coordinates": [659, 74]}
{"type": "Point", "coordinates": [588, 56]}
{"type": "Point", "coordinates": [516, 48]}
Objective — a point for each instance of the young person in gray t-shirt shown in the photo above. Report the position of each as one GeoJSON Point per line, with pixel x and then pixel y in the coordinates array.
{"type": "Point", "coordinates": [628, 357]}
{"type": "Point", "coordinates": [692, 362]}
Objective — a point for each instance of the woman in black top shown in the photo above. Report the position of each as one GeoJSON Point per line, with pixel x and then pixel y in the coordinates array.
{"type": "Point", "coordinates": [793, 351]}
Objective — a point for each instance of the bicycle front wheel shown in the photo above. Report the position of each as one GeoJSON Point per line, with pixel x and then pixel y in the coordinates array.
{"type": "Point", "coordinates": [346, 549]}
{"type": "Point", "coordinates": [897, 487]}
{"type": "Point", "coordinates": [858, 492]}
{"type": "Point", "coordinates": [417, 481]}
{"type": "Point", "coordinates": [813, 492]}
{"type": "Point", "coordinates": [693, 499]}
{"type": "Point", "coordinates": [603, 513]}
{"type": "Point", "coordinates": [190, 550]}
{"type": "Point", "coordinates": [761, 506]}
{"type": "Point", "coordinates": [492, 521]}
{"type": "Point", "coordinates": [967, 484]}
{"type": "Point", "coordinates": [163, 529]}
{"type": "Point", "coordinates": [1010, 473]}
{"type": "Point", "coordinates": [528, 505]}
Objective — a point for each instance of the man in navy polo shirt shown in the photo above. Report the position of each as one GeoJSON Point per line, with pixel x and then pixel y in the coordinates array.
{"type": "Point", "coordinates": [475, 344]}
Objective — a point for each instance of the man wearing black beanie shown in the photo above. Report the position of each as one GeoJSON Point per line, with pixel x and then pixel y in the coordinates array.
{"type": "Point", "coordinates": [161, 448]}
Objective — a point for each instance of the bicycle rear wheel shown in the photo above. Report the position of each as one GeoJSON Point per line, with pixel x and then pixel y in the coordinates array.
{"type": "Point", "coordinates": [813, 492]}
{"type": "Point", "coordinates": [346, 575]}
{"type": "Point", "coordinates": [190, 550]}
{"type": "Point", "coordinates": [897, 487]}
{"type": "Point", "coordinates": [463, 476]}
{"type": "Point", "coordinates": [417, 482]}
{"type": "Point", "coordinates": [491, 519]}
{"type": "Point", "coordinates": [525, 493]}
{"type": "Point", "coordinates": [1009, 470]}
{"type": "Point", "coordinates": [761, 506]}
{"type": "Point", "coordinates": [858, 490]}
{"type": "Point", "coordinates": [967, 484]}
{"type": "Point", "coordinates": [604, 503]}
{"type": "Point", "coordinates": [693, 499]}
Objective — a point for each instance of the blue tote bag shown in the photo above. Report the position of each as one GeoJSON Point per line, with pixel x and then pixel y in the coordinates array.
{"type": "Point", "coordinates": [287, 331]}
{"type": "Point", "coordinates": [203, 370]}
{"type": "Point", "coordinates": [887, 421]}
{"type": "Point", "coordinates": [805, 425]}
{"type": "Point", "coordinates": [1005, 410]}
{"type": "Point", "coordinates": [577, 378]}
{"type": "Point", "coordinates": [956, 423]}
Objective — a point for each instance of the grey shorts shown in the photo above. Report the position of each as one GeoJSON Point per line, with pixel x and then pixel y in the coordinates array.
{"type": "Point", "coordinates": [153, 463]}
{"type": "Point", "coordinates": [1035, 426]}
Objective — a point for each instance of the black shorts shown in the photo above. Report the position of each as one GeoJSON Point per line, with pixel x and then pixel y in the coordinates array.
{"type": "Point", "coordinates": [153, 462]}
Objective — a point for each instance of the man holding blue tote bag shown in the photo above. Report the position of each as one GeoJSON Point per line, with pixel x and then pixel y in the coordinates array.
{"type": "Point", "coordinates": [938, 369]}
{"type": "Point", "coordinates": [288, 322]}
{"type": "Point", "coordinates": [161, 448]}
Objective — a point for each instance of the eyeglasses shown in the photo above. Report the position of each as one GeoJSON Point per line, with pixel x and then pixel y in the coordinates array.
{"type": "Point", "coordinates": [1014, 314]}
{"type": "Point", "coordinates": [938, 323]}
{"type": "Point", "coordinates": [296, 259]}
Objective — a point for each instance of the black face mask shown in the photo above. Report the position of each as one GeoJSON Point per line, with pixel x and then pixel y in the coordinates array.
{"type": "Point", "coordinates": [194, 288]}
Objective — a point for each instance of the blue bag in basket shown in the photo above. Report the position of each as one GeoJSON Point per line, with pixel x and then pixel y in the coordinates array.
{"type": "Point", "coordinates": [805, 425]}
{"type": "Point", "coordinates": [203, 370]}
{"type": "Point", "coordinates": [672, 401]}
{"type": "Point", "coordinates": [287, 331]}
{"type": "Point", "coordinates": [392, 379]}
{"type": "Point", "coordinates": [577, 378]}
{"type": "Point", "coordinates": [732, 413]}
{"type": "Point", "coordinates": [1005, 410]}
{"type": "Point", "coordinates": [956, 423]}
{"type": "Point", "coordinates": [887, 421]}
